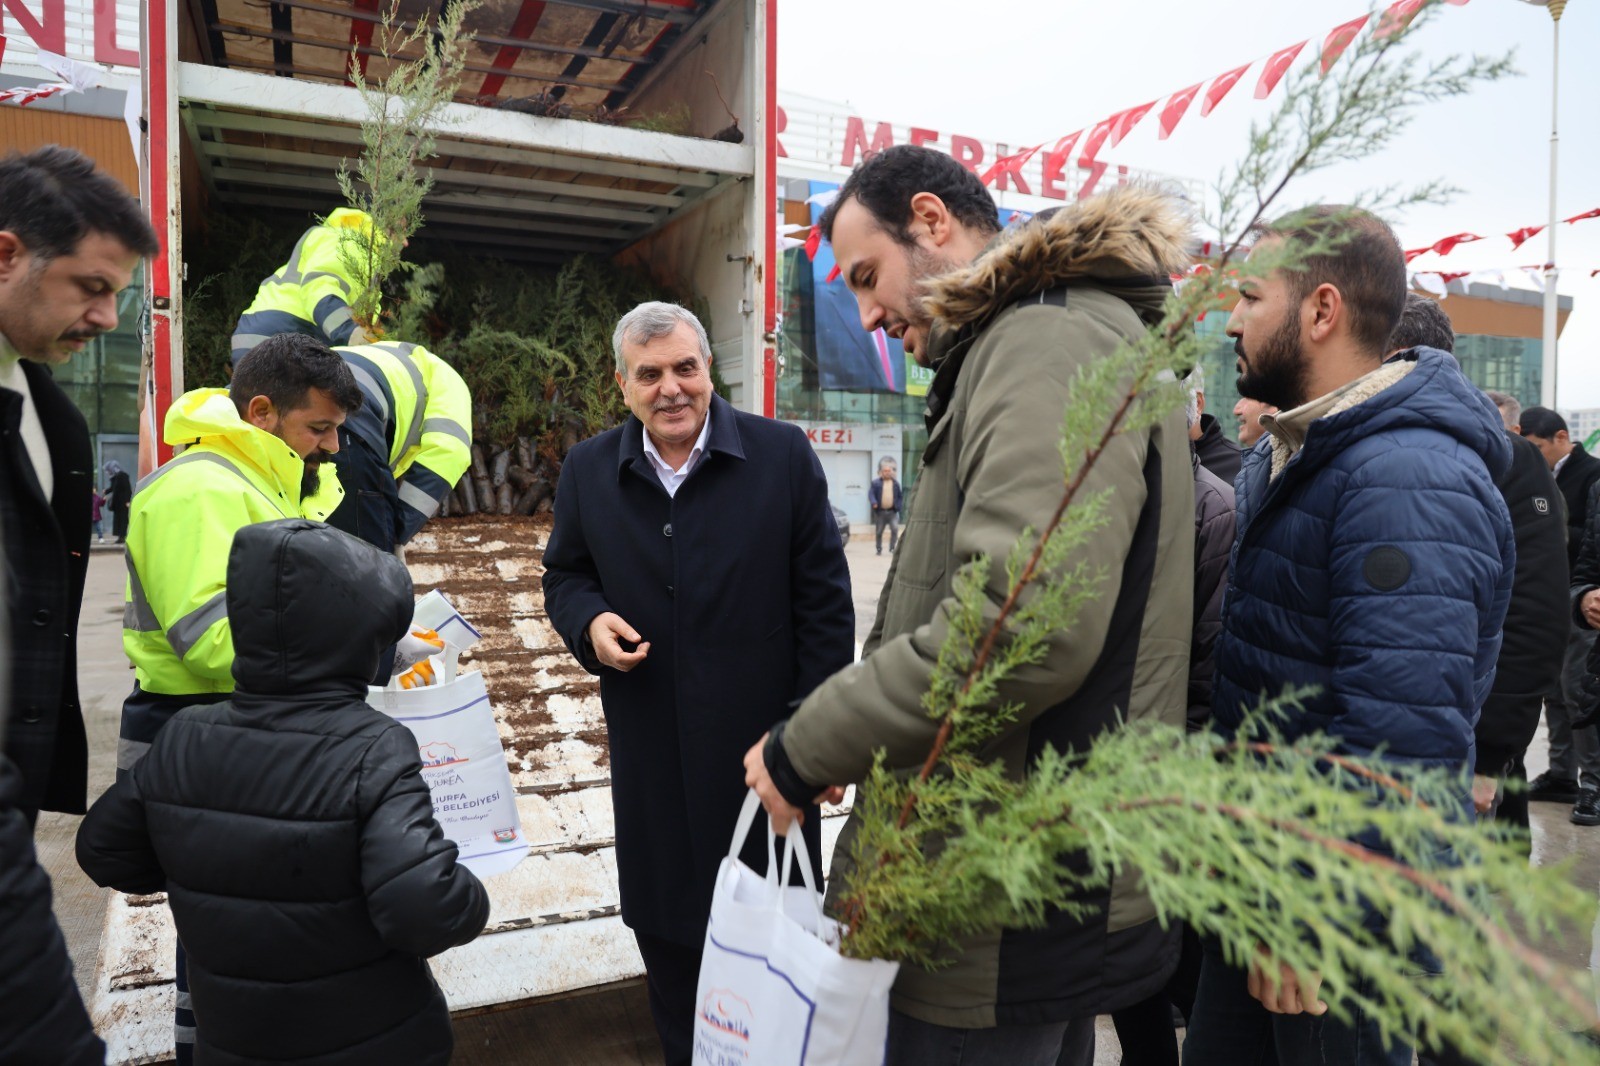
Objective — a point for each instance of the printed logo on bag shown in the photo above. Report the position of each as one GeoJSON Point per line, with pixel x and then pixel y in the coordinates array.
{"type": "Point", "coordinates": [436, 753]}
{"type": "Point", "coordinates": [727, 1013]}
{"type": "Point", "coordinates": [505, 836]}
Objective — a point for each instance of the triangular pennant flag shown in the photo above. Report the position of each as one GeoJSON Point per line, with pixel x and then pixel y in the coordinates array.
{"type": "Point", "coordinates": [1431, 282]}
{"type": "Point", "coordinates": [1445, 245]}
{"type": "Point", "coordinates": [1496, 276]}
{"type": "Point", "coordinates": [1123, 122]}
{"type": "Point", "coordinates": [1536, 275]}
{"type": "Point", "coordinates": [1587, 214]}
{"type": "Point", "coordinates": [833, 275]}
{"type": "Point", "coordinates": [1519, 235]}
{"type": "Point", "coordinates": [823, 199]}
{"type": "Point", "coordinates": [1277, 66]}
{"type": "Point", "coordinates": [1338, 40]}
{"type": "Point", "coordinates": [1177, 104]}
{"type": "Point", "coordinates": [1219, 89]}
{"type": "Point", "coordinates": [1412, 253]}
{"type": "Point", "coordinates": [1454, 275]}
{"type": "Point", "coordinates": [813, 242]}
{"type": "Point", "coordinates": [1097, 137]}
{"type": "Point", "coordinates": [1397, 16]}
{"type": "Point", "coordinates": [1063, 147]}
{"type": "Point", "coordinates": [786, 243]}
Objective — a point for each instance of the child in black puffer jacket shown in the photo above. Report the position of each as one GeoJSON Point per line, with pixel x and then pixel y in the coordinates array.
{"type": "Point", "coordinates": [291, 828]}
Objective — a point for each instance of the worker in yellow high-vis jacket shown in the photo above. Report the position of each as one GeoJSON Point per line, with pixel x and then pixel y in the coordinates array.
{"type": "Point", "coordinates": [256, 451]}
{"type": "Point", "coordinates": [313, 292]}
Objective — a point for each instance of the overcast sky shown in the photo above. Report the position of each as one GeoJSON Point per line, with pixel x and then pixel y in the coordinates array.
{"type": "Point", "coordinates": [1025, 72]}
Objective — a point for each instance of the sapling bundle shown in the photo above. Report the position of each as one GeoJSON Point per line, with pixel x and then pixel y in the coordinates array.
{"type": "Point", "coordinates": [1286, 848]}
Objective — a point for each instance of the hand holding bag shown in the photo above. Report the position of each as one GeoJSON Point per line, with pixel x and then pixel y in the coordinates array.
{"type": "Point", "coordinates": [773, 989]}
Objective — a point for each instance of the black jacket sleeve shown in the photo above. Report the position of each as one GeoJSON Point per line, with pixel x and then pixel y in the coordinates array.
{"type": "Point", "coordinates": [421, 900]}
{"type": "Point", "coordinates": [573, 596]}
{"type": "Point", "coordinates": [822, 612]}
{"type": "Point", "coordinates": [42, 1018]}
{"type": "Point", "coordinates": [1586, 571]}
{"type": "Point", "coordinates": [114, 846]}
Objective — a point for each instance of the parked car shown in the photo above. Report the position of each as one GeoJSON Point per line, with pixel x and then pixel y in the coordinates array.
{"type": "Point", "coordinates": [841, 520]}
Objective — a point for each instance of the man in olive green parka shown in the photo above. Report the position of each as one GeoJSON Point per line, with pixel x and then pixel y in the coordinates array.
{"type": "Point", "coordinates": [1006, 321]}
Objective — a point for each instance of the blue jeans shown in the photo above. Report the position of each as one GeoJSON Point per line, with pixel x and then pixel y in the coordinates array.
{"type": "Point", "coordinates": [1230, 1028]}
{"type": "Point", "coordinates": [916, 1043]}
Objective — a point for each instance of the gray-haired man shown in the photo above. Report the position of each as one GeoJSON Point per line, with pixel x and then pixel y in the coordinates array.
{"type": "Point", "coordinates": [696, 568]}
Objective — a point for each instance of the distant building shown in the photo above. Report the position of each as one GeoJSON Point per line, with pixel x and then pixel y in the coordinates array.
{"type": "Point", "coordinates": [1498, 342]}
{"type": "Point", "coordinates": [1582, 423]}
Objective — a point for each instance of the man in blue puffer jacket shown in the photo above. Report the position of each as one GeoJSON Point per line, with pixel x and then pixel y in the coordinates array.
{"type": "Point", "coordinates": [1373, 559]}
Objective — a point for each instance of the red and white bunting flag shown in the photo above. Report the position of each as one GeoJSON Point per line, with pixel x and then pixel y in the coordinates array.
{"type": "Point", "coordinates": [1123, 122]}
{"type": "Point", "coordinates": [1277, 66]}
{"type": "Point", "coordinates": [1097, 137]}
{"type": "Point", "coordinates": [1497, 276]}
{"type": "Point", "coordinates": [1177, 104]}
{"type": "Point", "coordinates": [1397, 16]}
{"type": "Point", "coordinates": [1338, 40]}
{"type": "Point", "coordinates": [1453, 275]}
{"type": "Point", "coordinates": [833, 275]}
{"type": "Point", "coordinates": [1412, 253]}
{"type": "Point", "coordinates": [24, 97]}
{"type": "Point", "coordinates": [1587, 214]}
{"type": "Point", "coordinates": [1063, 146]}
{"type": "Point", "coordinates": [1536, 275]}
{"type": "Point", "coordinates": [2, 47]}
{"type": "Point", "coordinates": [1446, 245]}
{"type": "Point", "coordinates": [1431, 281]}
{"type": "Point", "coordinates": [1219, 89]}
{"type": "Point", "coordinates": [1519, 235]}
{"type": "Point", "coordinates": [813, 242]}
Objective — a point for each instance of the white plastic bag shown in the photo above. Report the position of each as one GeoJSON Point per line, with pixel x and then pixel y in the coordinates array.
{"type": "Point", "coordinates": [463, 763]}
{"type": "Point", "coordinates": [774, 990]}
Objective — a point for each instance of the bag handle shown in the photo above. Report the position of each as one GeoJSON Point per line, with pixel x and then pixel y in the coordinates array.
{"type": "Point", "coordinates": [793, 842]}
{"type": "Point", "coordinates": [741, 832]}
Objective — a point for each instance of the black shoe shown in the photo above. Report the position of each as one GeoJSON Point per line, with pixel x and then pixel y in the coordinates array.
{"type": "Point", "coordinates": [1587, 810]}
{"type": "Point", "coordinates": [1551, 789]}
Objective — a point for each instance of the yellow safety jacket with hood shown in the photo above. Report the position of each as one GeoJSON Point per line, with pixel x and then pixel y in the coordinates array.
{"type": "Point", "coordinates": [313, 291]}
{"type": "Point", "coordinates": [180, 531]}
{"type": "Point", "coordinates": [415, 413]}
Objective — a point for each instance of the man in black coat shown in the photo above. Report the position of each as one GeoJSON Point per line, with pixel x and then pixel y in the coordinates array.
{"type": "Point", "coordinates": [1574, 774]}
{"type": "Point", "coordinates": [70, 240]}
{"type": "Point", "coordinates": [696, 568]}
{"type": "Point", "coordinates": [291, 827]}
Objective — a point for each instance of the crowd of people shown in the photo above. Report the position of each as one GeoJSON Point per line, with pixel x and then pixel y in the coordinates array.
{"type": "Point", "coordinates": [1424, 554]}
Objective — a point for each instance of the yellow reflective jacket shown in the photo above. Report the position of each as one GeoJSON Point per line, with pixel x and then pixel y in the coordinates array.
{"type": "Point", "coordinates": [313, 291]}
{"type": "Point", "coordinates": [417, 412]}
{"type": "Point", "coordinates": [180, 531]}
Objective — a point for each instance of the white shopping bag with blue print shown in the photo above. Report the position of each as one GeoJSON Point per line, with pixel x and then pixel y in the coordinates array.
{"type": "Point", "coordinates": [774, 990]}
{"type": "Point", "coordinates": [458, 741]}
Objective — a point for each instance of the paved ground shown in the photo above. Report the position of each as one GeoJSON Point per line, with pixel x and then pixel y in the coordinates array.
{"type": "Point", "coordinates": [608, 1027]}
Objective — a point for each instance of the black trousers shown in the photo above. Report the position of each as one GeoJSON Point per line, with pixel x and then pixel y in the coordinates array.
{"type": "Point", "coordinates": [672, 973]}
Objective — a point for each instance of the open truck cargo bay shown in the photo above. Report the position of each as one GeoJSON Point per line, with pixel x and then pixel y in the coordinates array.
{"type": "Point", "coordinates": [248, 108]}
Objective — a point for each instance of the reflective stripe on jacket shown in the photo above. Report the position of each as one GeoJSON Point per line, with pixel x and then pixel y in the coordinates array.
{"type": "Point", "coordinates": [180, 531]}
{"type": "Point", "coordinates": [313, 291]}
{"type": "Point", "coordinates": [417, 412]}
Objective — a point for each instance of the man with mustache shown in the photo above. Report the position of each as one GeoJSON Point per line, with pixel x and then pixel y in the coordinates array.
{"type": "Point", "coordinates": [696, 569]}
{"type": "Point", "coordinates": [253, 452]}
{"type": "Point", "coordinates": [1373, 560]}
{"type": "Point", "coordinates": [70, 240]}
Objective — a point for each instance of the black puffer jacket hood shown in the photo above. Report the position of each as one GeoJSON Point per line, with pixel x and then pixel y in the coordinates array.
{"type": "Point", "coordinates": [312, 609]}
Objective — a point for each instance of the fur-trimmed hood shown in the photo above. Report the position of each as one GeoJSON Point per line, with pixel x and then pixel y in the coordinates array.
{"type": "Point", "coordinates": [1130, 233]}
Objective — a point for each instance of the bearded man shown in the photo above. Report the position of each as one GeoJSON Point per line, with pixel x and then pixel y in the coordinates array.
{"type": "Point", "coordinates": [1373, 563]}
